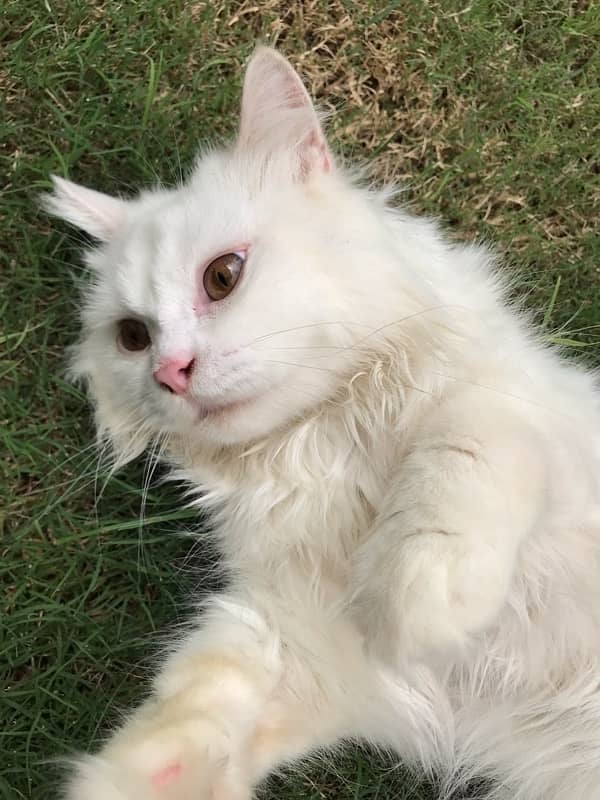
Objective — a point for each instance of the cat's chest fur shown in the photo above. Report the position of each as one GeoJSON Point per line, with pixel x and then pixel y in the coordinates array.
{"type": "Point", "coordinates": [305, 501]}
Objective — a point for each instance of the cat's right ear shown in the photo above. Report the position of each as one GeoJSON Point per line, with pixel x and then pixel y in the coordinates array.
{"type": "Point", "coordinates": [278, 114]}
{"type": "Point", "coordinates": [96, 213]}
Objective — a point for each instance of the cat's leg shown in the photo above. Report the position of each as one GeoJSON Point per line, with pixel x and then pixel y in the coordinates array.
{"type": "Point", "coordinates": [231, 702]}
{"type": "Point", "coordinates": [437, 565]}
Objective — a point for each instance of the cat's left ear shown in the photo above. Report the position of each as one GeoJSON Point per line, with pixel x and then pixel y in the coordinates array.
{"type": "Point", "coordinates": [96, 213]}
{"type": "Point", "coordinates": [277, 112]}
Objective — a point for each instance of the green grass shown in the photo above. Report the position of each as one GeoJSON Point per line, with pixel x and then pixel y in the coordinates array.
{"type": "Point", "coordinates": [488, 112]}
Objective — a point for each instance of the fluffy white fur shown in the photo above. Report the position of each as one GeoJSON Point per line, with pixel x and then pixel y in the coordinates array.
{"type": "Point", "coordinates": [405, 480]}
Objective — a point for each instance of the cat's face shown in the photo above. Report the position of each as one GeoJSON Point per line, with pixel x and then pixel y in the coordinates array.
{"type": "Point", "coordinates": [206, 317]}
{"type": "Point", "coordinates": [227, 307]}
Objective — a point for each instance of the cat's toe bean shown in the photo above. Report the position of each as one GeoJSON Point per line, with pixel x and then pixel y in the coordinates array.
{"type": "Point", "coordinates": [167, 775]}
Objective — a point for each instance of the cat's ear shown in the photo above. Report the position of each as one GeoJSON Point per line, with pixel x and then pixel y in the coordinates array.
{"type": "Point", "coordinates": [277, 112]}
{"type": "Point", "coordinates": [96, 213]}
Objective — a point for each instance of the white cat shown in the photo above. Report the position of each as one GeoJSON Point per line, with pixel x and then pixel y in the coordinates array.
{"type": "Point", "coordinates": [405, 480]}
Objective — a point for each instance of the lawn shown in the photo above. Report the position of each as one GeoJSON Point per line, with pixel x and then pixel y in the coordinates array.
{"type": "Point", "coordinates": [487, 112]}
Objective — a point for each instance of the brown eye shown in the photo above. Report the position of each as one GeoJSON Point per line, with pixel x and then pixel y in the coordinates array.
{"type": "Point", "coordinates": [133, 335]}
{"type": "Point", "coordinates": [222, 274]}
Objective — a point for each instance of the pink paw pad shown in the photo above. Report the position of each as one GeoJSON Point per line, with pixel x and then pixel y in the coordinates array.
{"type": "Point", "coordinates": [167, 774]}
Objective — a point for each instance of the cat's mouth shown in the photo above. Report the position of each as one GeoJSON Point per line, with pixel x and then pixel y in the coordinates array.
{"type": "Point", "coordinates": [212, 410]}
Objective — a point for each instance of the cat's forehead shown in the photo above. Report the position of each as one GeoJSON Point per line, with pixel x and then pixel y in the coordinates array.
{"type": "Point", "coordinates": [171, 235]}
{"type": "Point", "coordinates": [201, 214]}
{"type": "Point", "coordinates": [184, 227]}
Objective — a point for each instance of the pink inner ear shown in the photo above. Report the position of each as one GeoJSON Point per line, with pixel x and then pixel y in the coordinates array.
{"type": "Point", "coordinates": [321, 145]}
{"type": "Point", "coordinates": [314, 153]}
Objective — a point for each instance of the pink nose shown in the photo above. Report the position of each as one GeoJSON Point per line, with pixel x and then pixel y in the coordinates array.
{"type": "Point", "coordinates": [174, 374]}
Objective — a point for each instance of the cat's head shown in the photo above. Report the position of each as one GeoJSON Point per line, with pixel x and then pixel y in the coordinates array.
{"type": "Point", "coordinates": [227, 307]}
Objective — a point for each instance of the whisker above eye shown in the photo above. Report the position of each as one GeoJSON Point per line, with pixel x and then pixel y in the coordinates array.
{"type": "Point", "coordinates": [308, 347]}
{"type": "Point", "coordinates": [373, 331]}
{"type": "Point", "coordinates": [342, 323]}
{"type": "Point", "coordinates": [304, 366]}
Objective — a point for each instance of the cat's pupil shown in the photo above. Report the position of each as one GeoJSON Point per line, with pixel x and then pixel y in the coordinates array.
{"type": "Point", "coordinates": [223, 278]}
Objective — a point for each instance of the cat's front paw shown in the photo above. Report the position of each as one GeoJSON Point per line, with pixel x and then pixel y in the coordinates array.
{"type": "Point", "coordinates": [162, 759]}
{"type": "Point", "coordinates": [437, 595]}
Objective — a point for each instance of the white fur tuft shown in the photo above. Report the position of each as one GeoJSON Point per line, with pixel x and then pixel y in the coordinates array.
{"type": "Point", "coordinates": [96, 213]}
